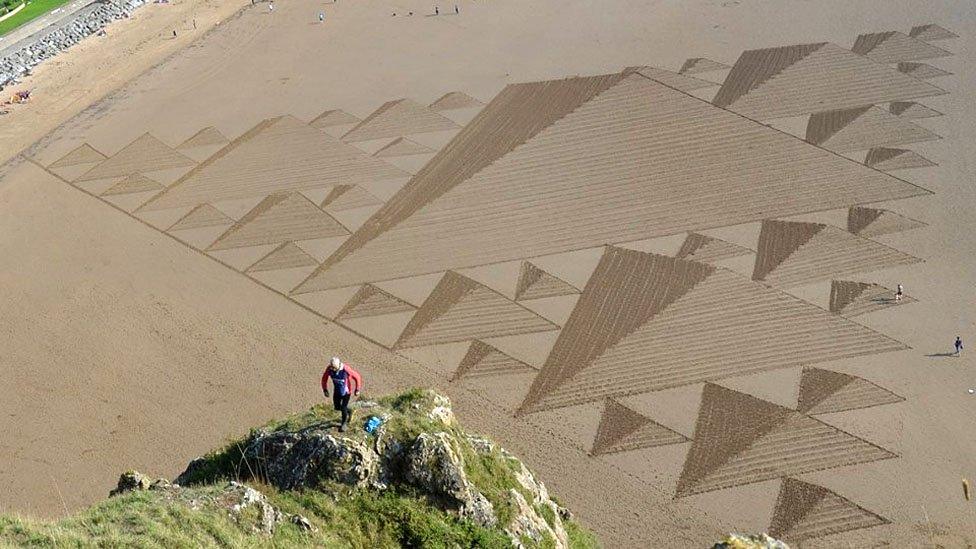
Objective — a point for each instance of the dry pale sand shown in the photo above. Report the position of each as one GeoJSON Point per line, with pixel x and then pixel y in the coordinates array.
{"type": "Point", "coordinates": [433, 199]}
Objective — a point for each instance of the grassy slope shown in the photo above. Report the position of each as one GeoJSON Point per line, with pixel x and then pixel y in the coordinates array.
{"type": "Point", "coordinates": [343, 517]}
{"type": "Point", "coordinates": [33, 10]}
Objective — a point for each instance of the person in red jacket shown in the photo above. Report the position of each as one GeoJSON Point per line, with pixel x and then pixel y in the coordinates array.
{"type": "Point", "coordinates": [343, 378]}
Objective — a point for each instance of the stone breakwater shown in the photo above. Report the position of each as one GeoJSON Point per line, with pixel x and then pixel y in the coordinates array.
{"type": "Point", "coordinates": [20, 57]}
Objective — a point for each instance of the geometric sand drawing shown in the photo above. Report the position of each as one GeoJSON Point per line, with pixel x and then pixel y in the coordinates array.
{"type": "Point", "coordinates": [372, 301]}
{"type": "Point", "coordinates": [534, 283]}
{"type": "Point", "coordinates": [911, 109]}
{"type": "Point", "coordinates": [145, 154]}
{"type": "Point", "coordinates": [278, 154]}
{"type": "Point", "coordinates": [647, 322]}
{"type": "Point", "coordinates": [740, 439]}
{"type": "Point", "coordinates": [887, 159]}
{"type": "Point", "coordinates": [698, 247]}
{"type": "Point", "coordinates": [455, 100]}
{"type": "Point", "coordinates": [872, 222]}
{"type": "Point", "coordinates": [484, 360]}
{"type": "Point", "coordinates": [333, 118]}
{"type": "Point", "coordinates": [623, 148]}
{"type": "Point", "coordinates": [398, 118]}
{"type": "Point", "coordinates": [793, 253]}
{"type": "Point", "coordinates": [672, 79]}
{"type": "Point", "coordinates": [622, 429]}
{"type": "Point", "coordinates": [83, 154]}
{"type": "Point", "coordinates": [347, 197]}
{"type": "Point", "coordinates": [695, 65]}
{"type": "Point", "coordinates": [805, 511]}
{"type": "Point", "coordinates": [135, 183]}
{"type": "Point", "coordinates": [825, 391]}
{"type": "Point", "coordinates": [286, 256]}
{"type": "Point", "coordinates": [206, 137]}
{"type": "Point", "coordinates": [461, 309]}
{"type": "Point", "coordinates": [862, 128]}
{"type": "Point", "coordinates": [806, 78]}
{"type": "Point", "coordinates": [894, 47]}
{"type": "Point", "coordinates": [928, 33]}
{"type": "Point", "coordinates": [280, 218]}
{"type": "Point", "coordinates": [402, 146]}
{"type": "Point", "coordinates": [921, 70]}
{"type": "Point", "coordinates": [850, 299]}
{"type": "Point", "coordinates": [200, 217]}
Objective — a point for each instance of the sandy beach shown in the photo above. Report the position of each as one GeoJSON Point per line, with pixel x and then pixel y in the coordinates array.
{"type": "Point", "coordinates": [671, 293]}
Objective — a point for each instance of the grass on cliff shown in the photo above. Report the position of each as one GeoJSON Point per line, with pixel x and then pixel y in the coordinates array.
{"type": "Point", "coordinates": [31, 11]}
{"type": "Point", "coordinates": [342, 517]}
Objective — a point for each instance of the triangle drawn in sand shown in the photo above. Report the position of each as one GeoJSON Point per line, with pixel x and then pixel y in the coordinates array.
{"type": "Point", "coordinates": [475, 204]}
{"type": "Point", "coordinates": [793, 253]}
{"type": "Point", "coordinates": [372, 301]}
{"type": "Point", "coordinates": [695, 65]}
{"type": "Point", "coordinates": [535, 283]}
{"type": "Point", "coordinates": [740, 439]}
{"type": "Point", "coordinates": [921, 71]}
{"type": "Point", "coordinates": [622, 429]}
{"type": "Point", "coordinates": [286, 256]}
{"type": "Point", "coordinates": [135, 183]}
{"type": "Point", "coordinates": [850, 299]}
{"type": "Point", "coordinates": [894, 47]}
{"type": "Point", "coordinates": [887, 159]}
{"type": "Point", "coordinates": [911, 110]}
{"type": "Point", "coordinates": [398, 118]}
{"type": "Point", "coordinates": [484, 360]}
{"type": "Point", "coordinates": [825, 391]}
{"type": "Point", "coordinates": [331, 118]}
{"type": "Point", "coordinates": [348, 197]}
{"type": "Point", "coordinates": [277, 155]}
{"type": "Point", "coordinates": [207, 137]}
{"type": "Point", "coordinates": [804, 511]}
{"type": "Point", "coordinates": [930, 32]}
{"type": "Point", "coordinates": [863, 128]}
{"type": "Point", "coordinates": [145, 154]}
{"type": "Point", "coordinates": [648, 322]}
{"type": "Point", "coordinates": [806, 78]}
{"type": "Point", "coordinates": [872, 222]}
{"type": "Point", "coordinates": [279, 218]}
{"type": "Point", "coordinates": [83, 154]}
{"type": "Point", "coordinates": [460, 309]}
{"type": "Point", "coordinates": [672, 79]}
{"type": "Point", "coordinates": [455, 100]}
{"type": "Point", "coordinates": [202, 216]}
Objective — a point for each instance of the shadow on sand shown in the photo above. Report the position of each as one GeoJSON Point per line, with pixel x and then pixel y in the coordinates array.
{"type": "Point", "coordinates": [943, 354]}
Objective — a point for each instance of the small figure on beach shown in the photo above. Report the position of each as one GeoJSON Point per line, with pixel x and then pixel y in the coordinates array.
{"type": "Point", "coordinates": [270, 7]}
{"type": "Point", "coordinates": [342, 377]}
{"type": "Point", "coordinates": [321, 17]}
{"type": "Point", "coordinates": [456, 10]}
{"type": "Point", "coordinates": [958, 345]}
{"type": "Point", "coordinates": [899, 292]}
{"type": "Point", "coordinates": [174, 33]}
{"type": "Point", "coordinates": [437, 10]}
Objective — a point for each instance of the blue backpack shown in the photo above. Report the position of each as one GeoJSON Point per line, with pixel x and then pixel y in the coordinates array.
{"type": "Point", "coordinates": [372, 424]}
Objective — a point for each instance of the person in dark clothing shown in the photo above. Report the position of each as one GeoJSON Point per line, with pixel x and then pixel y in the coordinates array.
{"type": "Point", "coordinates": [958, 345]}
{"type": "Point", "coordinates": [343, 378]}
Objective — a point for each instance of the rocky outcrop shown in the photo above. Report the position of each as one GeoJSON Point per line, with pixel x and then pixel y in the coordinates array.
{"type": "Point", "coordinates": [419, 446]}
{"type": "Point", "coordinates": [19, 58]}
{"type": "Point", "coordinates": [751, 541]}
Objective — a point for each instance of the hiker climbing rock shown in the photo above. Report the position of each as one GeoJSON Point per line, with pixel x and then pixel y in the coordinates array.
{"type": "Point", "coordinates": [342, 377]}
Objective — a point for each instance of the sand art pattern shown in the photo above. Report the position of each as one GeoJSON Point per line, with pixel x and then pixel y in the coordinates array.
{"type": "Point", "coordinates": [527, 245]}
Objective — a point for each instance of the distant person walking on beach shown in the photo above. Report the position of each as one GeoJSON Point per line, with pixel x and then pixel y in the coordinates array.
{"type": "Point", "coordinates": [342, 377]}
{"type": "Point", "coordinates": [456, 10]}
{"type": "Point", "coordinates": [958, 345]}
{"type": "Point", "coordinates": [321, 17]}
{"type": "Point", "coordinates": [899, 292]}
{"type": "Point", "coordinates": [270, 7]}
{"type": "Point", "coordinates": [437, 11]}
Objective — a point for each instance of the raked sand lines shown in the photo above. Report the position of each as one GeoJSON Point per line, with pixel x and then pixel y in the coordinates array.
{"type": "Point", "coordinates": [872, 222]}
{"type": "Point", "coordinates": [707, 249]}
{"type": "Point", "coordinates": [824, 392]}
{"type": "Point", "coordinates": [623, 158]}
{"type": "Point", "coordinates": [894, 47]}
{"type": "Point", "coordinates": [922, 71]}
{"type": "Point", "coordinates": [647, 322]}
{"type": "Point", "coordinates": [805, 511]}
{"type": "Point", "coordinates": [806, 78]}
{"type": "Point", "coordinates": [740, 439]}
{"type": "Point", "coordinates": [145, 154]}
{"type": "Point", "coordinates": [280, 218]}
{"type": "Point", "coordinates": [793, 253]}
{"type": "Point", "coordinates": [850, 298]}
{"type": "Point", "coordinates": [887, 159]}
{"type": "Point", "coordinates": [398, 118]}
{"type": "Point", "coordinates": [931, 32]}
{"type": "Point", "coordinates": [622, 429]}
{"type": "Point", "coordinates": [862, 128]}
